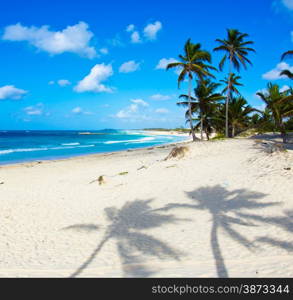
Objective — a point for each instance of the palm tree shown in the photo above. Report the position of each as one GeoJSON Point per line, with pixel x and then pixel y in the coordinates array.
{"type": "Point", "coordinates": [203, 102]}
{"type": "Point", "coordinates": [262, 121]}
{"type": "Point", "coordinates": [236, 51]}
{"type": "Point", "coordinates": [280, 105]}
{"type": "Point", "coordinates": [239, 112]}
{"type": "Point", "coordinates": [194, 61]}
{"type": "Point", "coordinates": [231, 84]}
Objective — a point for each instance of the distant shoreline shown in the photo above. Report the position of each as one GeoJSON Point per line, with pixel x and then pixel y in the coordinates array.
{"type": "Point", "coordinates": [100, 154]}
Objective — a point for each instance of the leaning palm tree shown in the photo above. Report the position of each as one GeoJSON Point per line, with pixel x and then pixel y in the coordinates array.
{"type": "Point", "coordinates": [231, 84]}
{"type": "Point", "coordinates": [202, 103]}
{"type": "Point", "coordinates": [236, 51]}
{"type": "Point", "coordinates": [280, 105]}
{"type": "Point", "coordinates": [194, 62]}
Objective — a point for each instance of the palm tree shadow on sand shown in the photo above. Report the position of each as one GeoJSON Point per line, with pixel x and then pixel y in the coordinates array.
{"type": "Point", "coordinates": [284, 222]}
{"type": "Point", "coordinates": [224, 205]}
{"type": "Point", "coordinates": [132, 244]}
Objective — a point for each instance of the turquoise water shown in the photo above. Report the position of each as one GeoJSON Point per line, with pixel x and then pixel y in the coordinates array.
{"type": "Point", "coordinates": [21, 146]}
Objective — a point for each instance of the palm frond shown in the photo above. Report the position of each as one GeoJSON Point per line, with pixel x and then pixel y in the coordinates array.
{"type": "Point", "coordinates": [287, 53]}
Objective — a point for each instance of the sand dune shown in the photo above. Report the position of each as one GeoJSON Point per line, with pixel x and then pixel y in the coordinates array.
{"type": "Point", "coordinates": [225, 209]}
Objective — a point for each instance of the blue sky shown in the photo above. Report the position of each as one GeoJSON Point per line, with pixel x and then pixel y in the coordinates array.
{"type": "Point", "coordinates": [97, 64]}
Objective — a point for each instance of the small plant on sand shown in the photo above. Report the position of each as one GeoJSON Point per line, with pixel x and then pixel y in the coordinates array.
{"type": "Point", "coordinates": [219, 136]}
{"type": "Point", "coordinates": [177, 152]}
{"type": "Point", "coordinates": [123, 173]}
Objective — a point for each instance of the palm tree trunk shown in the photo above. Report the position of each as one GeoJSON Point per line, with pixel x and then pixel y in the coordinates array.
{"type": "Point", "coordinates": [283, 132]}
{"type": "Point", "coordinates": [227, 116]}
{"type": "Point", "coordinates": [189, 109]}
{"type": "Point", "coordinates": [207, 134]}
{"type": "Point", "coordinates": [201, 128]}
{"type": "Point", "coordinates": [228, 99]}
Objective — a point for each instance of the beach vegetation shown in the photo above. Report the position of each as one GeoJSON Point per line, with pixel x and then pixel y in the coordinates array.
{"type": "Point", "coordinates": [236, 50]}
{"type": "Point", "coordinates": [279, 104]}
{"type": "Point", "coordinates": [220, 107]}
{"type": "Point", "coordinates": [203, 104]}
{"type": "Point", "coordinates": [195, 62]}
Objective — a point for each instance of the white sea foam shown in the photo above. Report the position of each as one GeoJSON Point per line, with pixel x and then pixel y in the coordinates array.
{"type": "Point", "coordinates": [131, 132]}
{"type": "Point", "coordinates": [21, 150]}
{"type": "Point", "coordinates": [142, 140]}
{"type": "Point", "coordinates": [71, 147]}
{"type": "Point", "coordinates": [70, 144]}
{"type": "Point", "coordinates": [8, 151]}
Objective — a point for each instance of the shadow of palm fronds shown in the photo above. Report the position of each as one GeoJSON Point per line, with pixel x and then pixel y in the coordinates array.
{"type": "Point", "coordinates": [83, 227]}
{"type": "Point", "coordinates": [125, 227]}
{"type": "Point", "coordinates": [285, 222]}
{"type": "Point", "coordinates": [224, 205]}
{"type": "Point", "coordinates": [270, 141]}
{"type": "Point", "coordinates": [276, 243]}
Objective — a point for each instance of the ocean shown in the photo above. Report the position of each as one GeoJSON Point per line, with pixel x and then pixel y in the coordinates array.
{"type": "Point", "coordinates": [22, 146]}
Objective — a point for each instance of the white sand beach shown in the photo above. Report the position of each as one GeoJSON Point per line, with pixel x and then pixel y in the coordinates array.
{"type": "Point", "coordinates": [225, 209]}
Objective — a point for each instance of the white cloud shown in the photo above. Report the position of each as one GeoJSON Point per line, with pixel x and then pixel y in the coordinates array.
{"type": "Point", "coordinates": [104, 50]}
{"type": "Point", "coordinates": [130, 28]}
{"type": "Point", "coordinates": [151, 30]}
{"type": "Point", "coordinates": [35, 110]}
{"type": "Point", "coordinates": [140, 102]}
{"type": "Point", "coordinates": [135, 37]}
{"type": "Point", "coordinates": [275, 73]}
{"type": "Point", "coordinates": [261, 107]}
{"type": "Point", "coordinates": [288, 4]}
{"type": "Point", "coordinates": [161, 110]}
{"type": "Point", "coordinates": [133, 111]}
{"type": "Point", "coordinates": [265, 91]}
{"type": "Point", "coordinates": [73, 39]}
{"type": "Point", "coordinates": [129, 66]}
{"type": "Point", "coordinates": [284, 88]}
{"type": "Point", "coordinates": [162, 64]}
{"type": "Point", "coordinates": [92, 82]}
{"type": "Point", "coordinates": [122, 114]}
{"type": "Point", "coordinates": [127, 112]}
{"type": "Point", "coordinates": [77, 110]}
{"type": "Point", "coordinates": [116, 41]}
{"type": "Point", "coordinates": [63, 82]}
{"type": "Point", "coordinates": [160, 97]}
{"type": "Point", "coordinates": [11, 92]}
